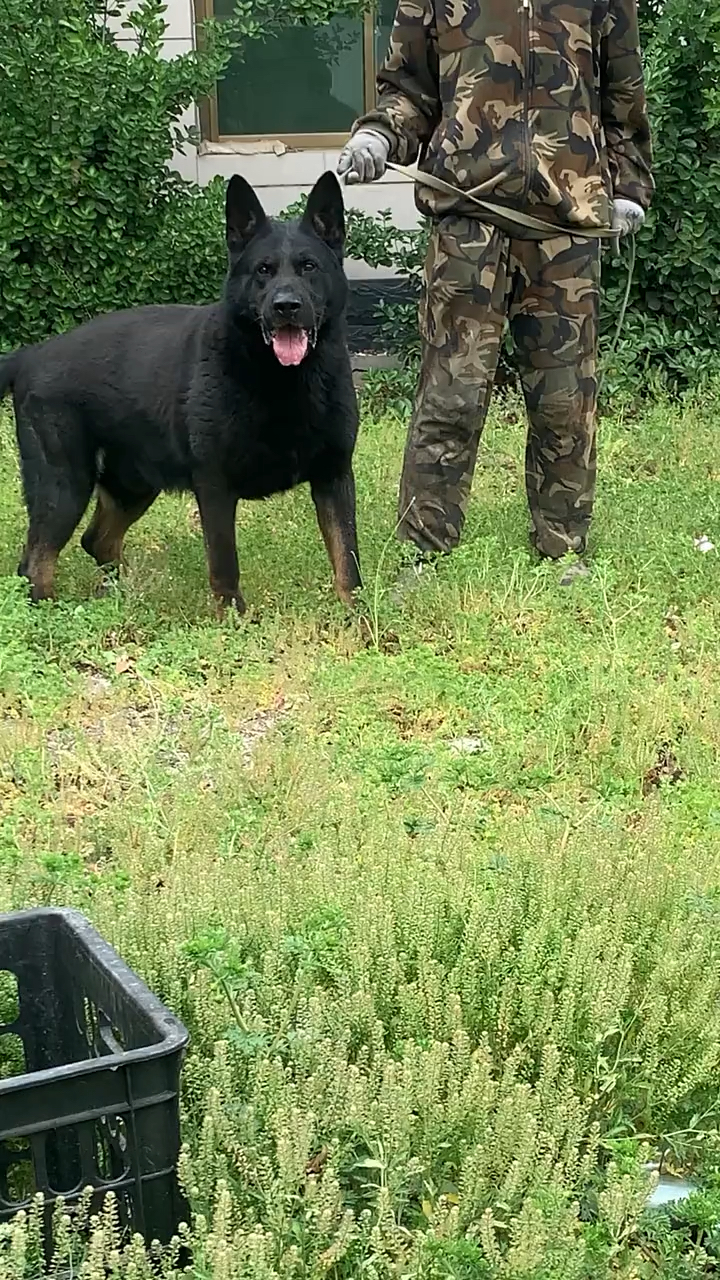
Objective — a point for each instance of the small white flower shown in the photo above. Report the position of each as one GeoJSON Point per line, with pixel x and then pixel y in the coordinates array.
{"type": "Point", "coordinates": [704, 544]}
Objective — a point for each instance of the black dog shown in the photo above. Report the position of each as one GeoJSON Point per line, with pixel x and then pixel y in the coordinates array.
{"type": "Point", "coordinates": [241, 399]}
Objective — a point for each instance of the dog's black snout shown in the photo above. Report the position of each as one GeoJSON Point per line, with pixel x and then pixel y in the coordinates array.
{"type": "Point", "coordinates": [286, 304]}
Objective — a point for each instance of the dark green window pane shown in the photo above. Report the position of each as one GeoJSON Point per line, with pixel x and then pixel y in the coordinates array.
{"type": "Point", "coordinates": [304, 80]}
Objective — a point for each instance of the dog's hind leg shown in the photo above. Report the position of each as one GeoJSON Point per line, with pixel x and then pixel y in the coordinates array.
{"type": "Point", "coordinates": [113, 516]}
{"type": "Point", "coordinates": [335, 507]}
{"type": "Point", "coordinates": [48, 532]}
{"type": "Point", "coordinates": [58, 477]}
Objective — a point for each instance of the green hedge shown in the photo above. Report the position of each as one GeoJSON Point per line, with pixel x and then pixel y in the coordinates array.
{"type": "Point", "coordinates": [91, 218]}
{"type": "Point", "coordinates": [672, 327]}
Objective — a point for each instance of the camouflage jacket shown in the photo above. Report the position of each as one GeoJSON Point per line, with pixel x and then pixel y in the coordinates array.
{"type": "Point", "coordinates": [535, 104]}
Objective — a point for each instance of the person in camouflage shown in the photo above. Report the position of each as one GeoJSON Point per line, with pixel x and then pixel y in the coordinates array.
{"type": "Point", "coordinates": [538, 107]}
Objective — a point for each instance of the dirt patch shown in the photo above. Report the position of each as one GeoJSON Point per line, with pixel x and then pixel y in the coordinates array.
{"type": "Point", "coordinates": [665, 770]}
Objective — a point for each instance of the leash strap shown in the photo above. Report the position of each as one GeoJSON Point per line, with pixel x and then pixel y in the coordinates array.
{"type": "Point", "coordinates": [498, 213]}
{"type": "Point", "coordinates": [612, 350]}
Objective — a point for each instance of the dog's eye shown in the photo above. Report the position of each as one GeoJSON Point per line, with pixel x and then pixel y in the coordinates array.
{"type": "Point", "coordinates": [264, 269]}
{"type": "Point", "coordinates": [307, 267]}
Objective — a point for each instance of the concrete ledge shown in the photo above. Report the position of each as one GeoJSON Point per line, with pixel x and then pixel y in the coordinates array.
{"type": "Point", "coordinates": [365, 362]}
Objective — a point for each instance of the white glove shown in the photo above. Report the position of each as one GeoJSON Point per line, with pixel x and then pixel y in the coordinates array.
{"type": "Point", "coordinates": [364, 158]}
{"type": "Point", "coordinates": [627, 217]}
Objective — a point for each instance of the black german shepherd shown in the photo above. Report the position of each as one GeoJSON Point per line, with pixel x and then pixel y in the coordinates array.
{"type": "Point", "coordinates": [241, 399]}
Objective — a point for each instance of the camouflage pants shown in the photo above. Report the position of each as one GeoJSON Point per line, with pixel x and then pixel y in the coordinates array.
{"type": "Point", "coordinates": [477, 278]}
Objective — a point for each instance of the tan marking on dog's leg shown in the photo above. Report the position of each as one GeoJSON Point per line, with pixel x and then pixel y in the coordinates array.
{"type": "Point", "coordinates": [39, 563]}
{"type": "Point", "coordinates": [335, 508]}
{"type": "Point", "coordinates": [103, 539]}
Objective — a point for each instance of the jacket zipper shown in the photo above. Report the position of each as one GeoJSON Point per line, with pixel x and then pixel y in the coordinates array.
{"type": "Point", "coordinates": [526, 19]}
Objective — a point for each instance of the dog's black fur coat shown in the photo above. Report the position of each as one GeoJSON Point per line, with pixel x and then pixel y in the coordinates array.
{"type": "Point", "coordinates": [196, 398]}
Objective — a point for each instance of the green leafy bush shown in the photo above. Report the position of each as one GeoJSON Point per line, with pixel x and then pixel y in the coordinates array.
{"type": "Point", "coordinates": [91, 218]}
{"type": "Point", "coordinates": [672, 326]}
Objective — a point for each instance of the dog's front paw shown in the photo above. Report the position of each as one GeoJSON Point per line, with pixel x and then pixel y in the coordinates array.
{"type": "Point", "coordinates": [229, 600]}
{"type": "Point", "coordinates": [109, 582]}
{"type": "Point", "coordinates": [347, 593]}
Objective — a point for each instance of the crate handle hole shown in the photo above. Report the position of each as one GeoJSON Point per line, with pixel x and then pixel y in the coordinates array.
{"type": "Point", "coordinates": [112, 1149]}
{"type": "Point", "coordinates": [62, 1159]}
{"type": "Point", "coordinates": [9, 998]}
{"type": "Point", "coordinates": [112, 1039]}
{"type": "Point", "coordinates": [17, 1176]}
{"type": "Point", "coordinates": [12, 1056]}
{"type": "Point", "coordinates": [100, 1033]}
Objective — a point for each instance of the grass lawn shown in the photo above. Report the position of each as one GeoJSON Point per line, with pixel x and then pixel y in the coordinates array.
{"type": "Point", "coordinates": [442, 909]}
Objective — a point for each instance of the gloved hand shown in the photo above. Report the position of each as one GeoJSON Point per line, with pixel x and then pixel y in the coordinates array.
{"type": "Point", "coordinates": [627, 217]}
{"type": "Point", "coordinates": [364, 158]}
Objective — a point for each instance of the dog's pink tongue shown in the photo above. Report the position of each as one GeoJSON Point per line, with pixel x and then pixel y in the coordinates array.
{"type": "Point", "coordinates": [290, 345]}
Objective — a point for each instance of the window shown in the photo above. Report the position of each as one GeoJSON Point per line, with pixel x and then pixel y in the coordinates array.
{"type": "Point", "coordinates": [306, 85]}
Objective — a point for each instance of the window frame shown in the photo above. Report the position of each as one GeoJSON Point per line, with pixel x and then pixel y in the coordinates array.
{"type": "Point", "coordinates": [208, 108]}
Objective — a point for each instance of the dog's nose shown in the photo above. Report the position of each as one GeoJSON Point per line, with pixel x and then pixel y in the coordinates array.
{"type": "Point", "coordinates": [286, 305]}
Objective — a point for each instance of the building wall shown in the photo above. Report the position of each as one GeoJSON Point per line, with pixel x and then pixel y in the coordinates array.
{"type": "Point", "coordinates": [278, 174]}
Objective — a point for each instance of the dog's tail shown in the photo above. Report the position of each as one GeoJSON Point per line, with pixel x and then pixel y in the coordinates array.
{"type": "Point", "coordinates": [8, 370]}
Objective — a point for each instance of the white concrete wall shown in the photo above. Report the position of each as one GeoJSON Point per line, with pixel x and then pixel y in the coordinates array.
{"type": "Point", "coordinates": [278, 174]}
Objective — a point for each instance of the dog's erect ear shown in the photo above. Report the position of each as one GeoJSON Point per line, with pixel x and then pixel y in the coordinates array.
{"type": "Point", "coordinates": [325, 212]}
{"type": "Point", "coordinates": [244, 214]}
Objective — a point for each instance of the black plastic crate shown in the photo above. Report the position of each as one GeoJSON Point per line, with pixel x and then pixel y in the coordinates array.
{"type": "Point", "coordinates": [96, 1103]}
